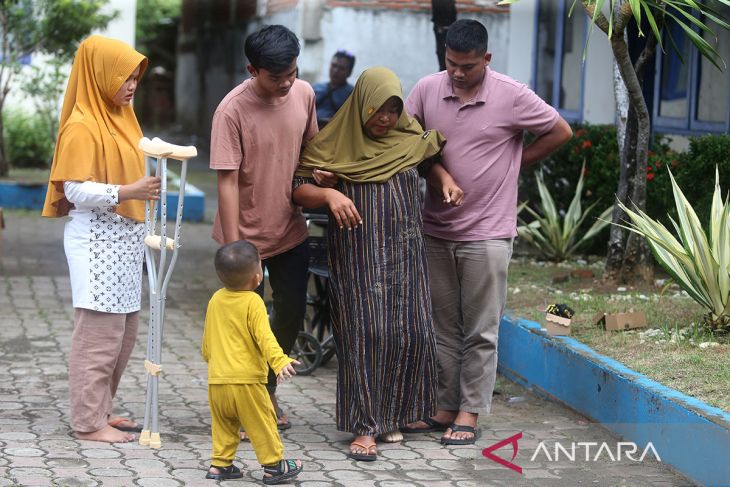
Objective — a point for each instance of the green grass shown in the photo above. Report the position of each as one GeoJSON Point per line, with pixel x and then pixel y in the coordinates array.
{"type": "Point", "coordinates": [672, 358]}
{"type": "Point", "coordinates": [27, 175]}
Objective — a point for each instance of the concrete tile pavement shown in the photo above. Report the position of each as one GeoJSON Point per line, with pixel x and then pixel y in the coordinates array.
{"type": "Point", "coordinates": [37, 446]}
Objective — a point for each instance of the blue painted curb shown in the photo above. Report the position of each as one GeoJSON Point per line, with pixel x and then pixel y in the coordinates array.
{"type": "Point", "coordinates": [32, 197]}
{"type": "Point", "coordinates": [688, 434]}
{"type": "Point", "coordinates": [23, 196]}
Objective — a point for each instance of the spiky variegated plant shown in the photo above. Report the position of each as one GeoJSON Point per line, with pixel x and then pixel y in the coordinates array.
{"type": "Point", "coordinates": [699, 263]}
{"type": "Point", "coordinates": [556, 237]}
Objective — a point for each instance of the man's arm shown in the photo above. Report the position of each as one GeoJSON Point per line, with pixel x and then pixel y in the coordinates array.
{"type": "Point", "coordinates": [547, 143]}
{"type": "Point", "coordinates": [228, 204]}
{"type": "Point", "coordinates": [439, 179]}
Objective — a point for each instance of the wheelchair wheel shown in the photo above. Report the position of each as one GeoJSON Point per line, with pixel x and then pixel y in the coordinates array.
{"type": "Point", "coordinates": [328, 350]}
{"type": "Point", "coordinates": [308, 351]}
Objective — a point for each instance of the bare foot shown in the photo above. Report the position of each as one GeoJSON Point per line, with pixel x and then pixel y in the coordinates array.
{"type": "Point", "coordinates": [464, 419]}
{"type": "Point", "coordinates": [122, 423]}
{"type": "Point", "coordinates": [107, 434]}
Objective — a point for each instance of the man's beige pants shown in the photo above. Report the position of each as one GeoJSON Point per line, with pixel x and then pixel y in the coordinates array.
{"type": "Point", "coordinates": [468, 292]}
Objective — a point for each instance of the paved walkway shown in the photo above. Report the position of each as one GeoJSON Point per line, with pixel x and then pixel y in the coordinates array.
{"type": "Point", "coordinates": [38, 448]}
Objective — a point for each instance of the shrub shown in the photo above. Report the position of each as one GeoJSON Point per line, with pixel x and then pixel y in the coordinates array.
{"type": "Point", "coordinates": [28, 142]}
{"type": "Point", "coordinates": [697, 165]}
{"type": "Point", "coordinates": [592, 145]}
{"type": "Point", "coordinates": [596, 146]}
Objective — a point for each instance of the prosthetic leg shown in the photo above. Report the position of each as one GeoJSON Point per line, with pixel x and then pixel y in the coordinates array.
{"type": "Point", "coordinates": [159, 271]}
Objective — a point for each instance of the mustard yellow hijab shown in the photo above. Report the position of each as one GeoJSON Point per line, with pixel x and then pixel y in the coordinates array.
{"type": "Point", "coordinates": [344, 148]}
{"type": "Point", "coordinates": [97, 140]}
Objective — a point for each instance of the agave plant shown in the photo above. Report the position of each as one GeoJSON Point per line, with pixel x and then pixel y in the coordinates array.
{"type": "Point", "coordinates": [698, 262]}
{"type": "Point", "coordinates": [556, 237]}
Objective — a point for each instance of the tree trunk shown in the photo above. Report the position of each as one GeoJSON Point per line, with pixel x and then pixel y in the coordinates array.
{"type": "Point", "coordinates": [628, 256]}
{"type": "Point", "coordinates": [622, 103]}
{"type": "Point", "coordinates": [4, 165]}
{"type": "Point", "coordinates": [443, 15]}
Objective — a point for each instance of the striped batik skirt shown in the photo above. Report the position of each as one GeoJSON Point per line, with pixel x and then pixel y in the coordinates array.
{"type": "Point", "coordinates": [381, 310]}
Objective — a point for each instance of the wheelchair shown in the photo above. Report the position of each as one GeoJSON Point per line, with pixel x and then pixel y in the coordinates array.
{"type": "Point", "coordinates": [315, 345]}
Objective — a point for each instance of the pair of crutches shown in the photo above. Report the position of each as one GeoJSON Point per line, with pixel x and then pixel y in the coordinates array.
{"type": "Point", "coordinates": [159, 270]}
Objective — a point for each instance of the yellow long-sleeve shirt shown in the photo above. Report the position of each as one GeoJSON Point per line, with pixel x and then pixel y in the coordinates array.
{"type": "Point", "coordinates": [237, 341]}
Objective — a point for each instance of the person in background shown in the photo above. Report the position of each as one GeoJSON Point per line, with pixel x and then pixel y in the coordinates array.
{"type": "Point", "coordinates": [97, 179]}
{"type": "Point", "coordinates": [483, 114]}
{"type": "Point", "coordinates": [331, 95]}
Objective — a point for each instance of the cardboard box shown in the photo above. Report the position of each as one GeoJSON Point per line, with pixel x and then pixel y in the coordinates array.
{"type": "Point", "coordinates": [557, 325]}
{"type": "Point", "coordinates": [620, 321]}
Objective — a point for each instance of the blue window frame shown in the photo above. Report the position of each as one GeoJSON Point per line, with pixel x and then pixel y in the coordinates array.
{"type": "Point", "coordinates": [558, 70]}
{"type": "Point", "coordinates": [691, 97]}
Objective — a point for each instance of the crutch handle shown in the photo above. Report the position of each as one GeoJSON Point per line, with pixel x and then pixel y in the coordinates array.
{"type": "Point", "coordinates": [159, 148]}
{"type": "Point", "coordinates": [155, 242]}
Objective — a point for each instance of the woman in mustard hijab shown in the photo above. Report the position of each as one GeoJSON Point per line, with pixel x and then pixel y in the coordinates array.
{"type": "Point", "coordinates": [378, 288]}
{"type": "Point", "coordinates": [97, 179]}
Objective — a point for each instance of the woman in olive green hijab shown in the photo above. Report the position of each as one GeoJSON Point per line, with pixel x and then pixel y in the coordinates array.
{"type": "Point", "coordinates": [378, 287]}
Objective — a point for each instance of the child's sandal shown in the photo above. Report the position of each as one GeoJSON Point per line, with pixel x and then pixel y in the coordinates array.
{"type": "Point", "coordinates": [285, 469]}
{"type": "Point", "coordinates": [224, 473]}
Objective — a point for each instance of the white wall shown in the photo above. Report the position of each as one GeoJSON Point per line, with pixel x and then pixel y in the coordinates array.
{"type": "Point", "coordinates": [598, 97]}
{"type": "Point", "coordinates": [521, 35]}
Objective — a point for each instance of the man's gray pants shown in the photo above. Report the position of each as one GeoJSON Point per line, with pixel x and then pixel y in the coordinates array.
{"type": "Point", "coordinates": [468, 292]}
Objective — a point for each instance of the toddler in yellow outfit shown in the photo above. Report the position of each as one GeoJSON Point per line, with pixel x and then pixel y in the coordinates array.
{"type": "Point", "coordinates": [239, 347]}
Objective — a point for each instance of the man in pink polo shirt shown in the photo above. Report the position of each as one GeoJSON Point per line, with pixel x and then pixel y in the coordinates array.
{"type": "Point", "coordinates": [483, 115]}
{"type": "Point", "coordinates": [259, 129]}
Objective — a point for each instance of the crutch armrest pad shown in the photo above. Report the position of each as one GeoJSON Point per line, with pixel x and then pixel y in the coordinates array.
{"type": "Point", "coordinates": [159, 148]}
{"type": "Point", "coordinates": [155, 242]}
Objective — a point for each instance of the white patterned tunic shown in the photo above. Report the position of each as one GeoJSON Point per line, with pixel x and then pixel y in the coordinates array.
{"type": "Point", "coordinates": [104, 250]}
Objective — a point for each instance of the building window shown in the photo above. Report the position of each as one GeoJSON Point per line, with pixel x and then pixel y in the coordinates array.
{"type": "Point", "coordinates": [690, 94]}
{"type": "Point", "coordinates": [559, 61]}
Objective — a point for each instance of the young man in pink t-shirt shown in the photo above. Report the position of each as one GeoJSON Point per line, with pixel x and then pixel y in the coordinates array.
{"type": "Point", "coordinates": [258, 132]}
{"type": "Point", "coordinates": [469, 215]}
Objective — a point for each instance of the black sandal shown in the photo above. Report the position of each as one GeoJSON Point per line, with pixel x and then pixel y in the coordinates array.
{"type": "Point", "coordinates": [456, 428]}
{"type": "Point", "coordinates": [433, 425]}
{"type": "Point", "coordinates": [226, 473]}
{"type": "Point", "coordinates": [280, 472]}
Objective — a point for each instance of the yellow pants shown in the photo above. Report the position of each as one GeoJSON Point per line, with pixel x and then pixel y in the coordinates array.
{"type": "Point", "coordinates": [247, 405]}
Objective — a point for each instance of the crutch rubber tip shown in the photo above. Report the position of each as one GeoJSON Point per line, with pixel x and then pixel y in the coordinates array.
{"type": "Point", "coordinates": [155, 441]}
{"type": "Point", "coordinates": [144, 438]}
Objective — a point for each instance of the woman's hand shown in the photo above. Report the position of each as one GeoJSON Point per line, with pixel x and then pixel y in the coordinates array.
{"type": "Point", "coordinates": [343, 209]}
{"type": "Point", "coordinates": [146, 188]}
{"type": "Point", "coordinates": [324, 179]}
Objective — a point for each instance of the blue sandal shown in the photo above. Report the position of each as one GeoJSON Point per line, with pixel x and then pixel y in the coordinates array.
{"type": "Point", "coordinates": [284, 470]}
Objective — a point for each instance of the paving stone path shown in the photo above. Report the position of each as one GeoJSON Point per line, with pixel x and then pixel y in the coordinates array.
{"type": "Point", "coordinates": [37, 446]}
